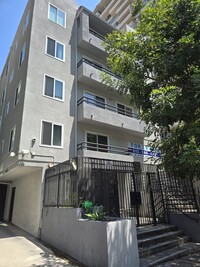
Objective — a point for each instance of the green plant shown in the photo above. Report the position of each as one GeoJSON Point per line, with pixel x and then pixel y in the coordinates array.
{"type": "Point", "coordinates": [97, 214]}
{"type": "Point", "coordinates": [87, 205]}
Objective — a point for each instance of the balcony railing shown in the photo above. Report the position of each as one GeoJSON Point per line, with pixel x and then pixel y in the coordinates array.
{"type": "Point", "coordinates": [103, 148]}
{"type": "Point", "coordinates": [103, 105]}
{"type": "Point", "coordinates": [97, 66]}
{"type": "Point", "coordinates": [97, 34]}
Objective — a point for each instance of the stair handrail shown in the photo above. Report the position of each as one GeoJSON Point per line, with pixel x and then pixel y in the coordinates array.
{"type": "Point", "coordinates": [191, 218]}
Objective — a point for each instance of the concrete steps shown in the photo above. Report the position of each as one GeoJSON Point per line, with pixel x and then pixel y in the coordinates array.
{"type": "Point", "coordinates": [162, 243]}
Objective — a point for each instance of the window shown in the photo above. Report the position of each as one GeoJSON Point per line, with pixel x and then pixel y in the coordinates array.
{"type": "Point", "coordinates": [0, 120]}
{"type": "Point", "coordinates": [2, 146]}
{"type": "Point", "coordinates": [17, 94]}
{"type": "Point", "coordinates": [16, 45]}
{"type": "Point", "coordinates": [97, 142]}
{"type": "Point", "coordinates": [7, 108]}
{"type": "Point", "coordinates": [94, 100]}
{"type": "Point", "coordinates": [11, 76]}
{"type": "Point", "coordinates": [8, 68]}
{"type": "Point", "coordinates": [53, 88]}
{"type": "Point", "coordinates": [26, 22]}
{"type": "Point", "coordinates": [12, 139]}
{"type": "Point", "coordinates": [22, 55]}
{"type": "Point", "coordinates": [51, 134]}
{"type": "Point", "coordinates": [55, 49]}
{"type": "Point", "coordinates": [3, 96]}
{"type": "Point", "coordinates": [57, 15]}
{"type": "Point", "coordinates": [124, 110]}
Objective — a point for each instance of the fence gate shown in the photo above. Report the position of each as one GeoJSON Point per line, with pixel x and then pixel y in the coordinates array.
{"type": "Point", "coordinates": [140, 197]}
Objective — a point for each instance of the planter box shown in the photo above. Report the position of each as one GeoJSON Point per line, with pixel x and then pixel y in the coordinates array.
{"type": "Point", "coordinates": [93, 243]}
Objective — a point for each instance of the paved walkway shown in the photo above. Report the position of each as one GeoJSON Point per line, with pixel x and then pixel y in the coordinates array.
{"type": "Point", "coordinates": [19, 249]}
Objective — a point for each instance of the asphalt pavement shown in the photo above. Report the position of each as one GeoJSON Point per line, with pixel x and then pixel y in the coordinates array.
{"type": "Point", "coordinates": [20, 249]}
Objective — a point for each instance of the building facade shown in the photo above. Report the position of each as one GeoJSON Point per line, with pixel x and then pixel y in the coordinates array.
{"type": "Point", "coordinates": [118, 13]}
{"type": "Point", "coordinates": [54, 106]}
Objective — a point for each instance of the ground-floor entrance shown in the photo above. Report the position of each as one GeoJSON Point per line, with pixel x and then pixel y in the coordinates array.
{"type": "Point", "coordinates": [3, 191]}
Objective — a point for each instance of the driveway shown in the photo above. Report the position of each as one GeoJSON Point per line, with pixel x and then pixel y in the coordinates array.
{"type": "Point", "coordinates": [20, 249]}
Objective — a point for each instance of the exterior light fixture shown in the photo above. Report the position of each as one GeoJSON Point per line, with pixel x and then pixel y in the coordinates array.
{"type": "Point", "coordinates": [73, 164]}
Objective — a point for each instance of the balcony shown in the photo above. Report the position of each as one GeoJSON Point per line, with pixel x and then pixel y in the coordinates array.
{"type": "Point", "coordinates": [100, 113]}
{"type": "Point", "coordinates": [92, 41]}
{"type": "Point", "coordinates": [90, 72]}
{"type": "Point", "coordinates": [88, 149]}
{"type": "Point", "coordinates": [92, 32]}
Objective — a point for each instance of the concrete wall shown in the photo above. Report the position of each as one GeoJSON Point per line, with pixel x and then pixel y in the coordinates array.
{"type": "Point", "coordinates": [189, 227]}
{"type": "Point", "coordinates": [95, 244]}
{"type": "Point", "coordinates": [27, 203]}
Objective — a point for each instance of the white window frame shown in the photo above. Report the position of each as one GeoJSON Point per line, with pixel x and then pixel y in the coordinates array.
{"type": "Point", "coordinates": [96, 133]}
{"type": "Point", "coordinates": [64, 26]}
{"type": "Point", "coordinates": [11, 76]}
{"type": "Point", "coordinates": [8, 68]}
{"type": "Point", "coordinates": [95, 95]}
{"type": "Point", "coordinates": [125, 106]}
{"type": "Point", "coordinates": [1, 118]}
{"type": "Point", "coordinates": [16, 46]}
{"type": "Point", "coordinates": [62, 60]}
{"type": "Point", "coordinates": [26, 22]}
{"type": "Point", "coordinates": [55, 79]}
{"type": "Point", "coordinates": [17, 94]}
{"type": "Point", "coordinates": [7, 108]}
{"type": "Point", "coordinates": [12, 139]}
{"type": "Point", "coordinates": [2, 145]}
{"type": "Point", "coordinates": [22, 55]}
{"type": "Point", "coordinates": [62, 134]}
{"type": "Point", "coordinates": [3, 96]}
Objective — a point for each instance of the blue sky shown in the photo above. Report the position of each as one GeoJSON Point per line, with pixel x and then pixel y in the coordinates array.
{"type": "Point", "coordinates": [11, 13]}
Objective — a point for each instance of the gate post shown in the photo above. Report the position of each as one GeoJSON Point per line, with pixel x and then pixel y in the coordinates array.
{"type": "Point", "coordinates": [136, 206]}
{"type": "Point", "coordinates": [151, 198]}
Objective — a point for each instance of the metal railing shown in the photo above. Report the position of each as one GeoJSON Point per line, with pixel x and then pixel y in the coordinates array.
{"type": "Point", "coordinates": [97, 66]}
{"type": "Point", "coordinates": [103, 105]}
{"type": "Point", "coordinates": [179, 195]}
{"type": "Point", "coordinates": [61, 186]}
{"type": "Point", "coordinates": [103, 148]}
{"type": "Point", "coordinates": [97, 34]}
{"type": "Point", "coordinates": [123, 188]}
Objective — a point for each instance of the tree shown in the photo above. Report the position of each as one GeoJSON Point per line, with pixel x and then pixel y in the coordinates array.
{"type": "Point", "coordinates": [159, 64]}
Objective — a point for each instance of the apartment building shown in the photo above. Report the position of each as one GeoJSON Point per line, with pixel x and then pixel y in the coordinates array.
{"type": "Point", "coordinates": [118, 13]}
{"type": "Point", "coordinates": [54, 106]}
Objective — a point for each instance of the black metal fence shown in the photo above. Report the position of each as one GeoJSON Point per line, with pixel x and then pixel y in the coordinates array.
{"type": "Point", "coordinates": [61, 186]}
{"type": "Point", "coordinates": [179, 194]}
{"type": "Point", "coordinates": [125, 189]}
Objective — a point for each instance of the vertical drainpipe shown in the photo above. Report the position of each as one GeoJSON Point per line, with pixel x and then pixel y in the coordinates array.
{"type": "Point", "coordinates": [41, 202]}
{"type": "Point", "coordinates": [76, 112]}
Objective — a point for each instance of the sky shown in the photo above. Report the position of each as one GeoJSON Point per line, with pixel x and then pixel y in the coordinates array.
{"type": "Point", "coordinates": [11, 13]}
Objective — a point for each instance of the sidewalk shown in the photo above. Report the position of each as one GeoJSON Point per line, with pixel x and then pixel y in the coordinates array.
{"type": "Point", "coordinates": [20, 249]}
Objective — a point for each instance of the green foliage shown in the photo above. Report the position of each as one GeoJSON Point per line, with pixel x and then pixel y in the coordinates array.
{"type": "Point", "coordinates": [87, 206]}
{"type": "Point", "coordinates": [97, 214]}
{"type": "Point", "coordinates": [160, 66]}
{"type": "Point", "coordinates": [137, 6]}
